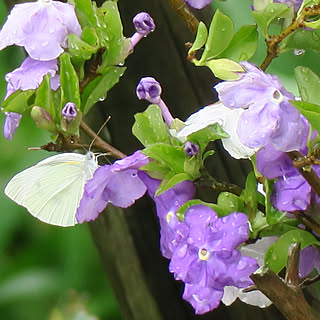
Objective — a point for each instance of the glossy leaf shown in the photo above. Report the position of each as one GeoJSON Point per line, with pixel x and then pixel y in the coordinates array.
{"type": "Point", "coordinates": [69, 82]}
{"type": "Point", "coordinates": [243, 44]}
{"type": "Point", "coordinates": [44, 96]}
{"type": "Point", "coordinates": [85, 13]}
{"type": "Point", "coordinates": [201, 38]}
{"type": "Point", "coordinates": [167, 155]}
{"type": "Point", "coordinates": [310, 111]}
{"type": "Point", "coordinates": [98, 88]}
{"type": "Point", "coordinates": [149, 126]}
{"type": "Point", "coordinates": [230, 202]}
{"type": "Point", "coordinates": [220, 34]}
{"type": "Point", "coordinates": [302, 39]}
{"type": "Point", "coordinates": [277, 255]}
{"type": "Point", "coordinates": [18, 101]}
{"type": "Point", "coordinates": [268, 15]}
{"type": "Point", "coordinates": [224, 69]}
{"type": "Point", "coordinates": [308, 84]}
{"type": "Point", "coordinates": [166, 184]}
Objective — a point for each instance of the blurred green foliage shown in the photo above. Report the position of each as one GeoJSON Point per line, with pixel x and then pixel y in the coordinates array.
{"type": "Point", "coordinates": [46, 272]}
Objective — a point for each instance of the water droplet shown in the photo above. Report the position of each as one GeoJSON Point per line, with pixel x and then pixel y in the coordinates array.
{"type": "Point", "coordinates": [299, 52]}
{"type": "Point", "coordinates": [44, 43]}
{"type": "Point", "coordinates": [52, 30]}
{"type": "Point", "coordinates": [103, 98]}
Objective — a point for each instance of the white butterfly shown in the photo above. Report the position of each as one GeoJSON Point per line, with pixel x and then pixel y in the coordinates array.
{"type": "Point", "coordinates": [52, 189]}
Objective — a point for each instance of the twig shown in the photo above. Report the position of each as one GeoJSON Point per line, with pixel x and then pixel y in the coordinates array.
{"type": "Point", "coordinates": [184, 12]}
{"type": "Point", "coordinates": [307, 221]}
{"type": "Point", "coordinates": [274, 41]}
{"type": "Point", "coordinates": [100, 143]}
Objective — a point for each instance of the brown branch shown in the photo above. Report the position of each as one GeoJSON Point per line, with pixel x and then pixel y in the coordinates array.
{"type": "Point", "coordinates": [184, 12]}
{"type": "Point", "coordinates": [100, 143]}
{"type": "Point", "coordinates": [307, 221]}
{"type": "Point", "coordinates": [274, 41]}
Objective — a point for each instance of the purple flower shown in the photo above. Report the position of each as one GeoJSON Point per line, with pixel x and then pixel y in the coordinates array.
{"type": "Point", "coordinates": [291, 192]}
{"type": "Point", "coordinates": [203, 299]}
{"type": "Point", "coordinates": [69, 111]}
{"type": "Point", "coordinates": [118, 184]}
{"type": "Point", "coordinates": [309, 260]}
{"type": "Point", "coordinates": [11, 124]}
{"type": "Point", "coordinates": [172, 231]}
{"type": "Point", "coordinates": [30, 75]}
{"type": "Point", "coordinates": [208, 258]}
{"type": "Point", "coordinates": [149, 89]}
{"type": "Point", "coordinates": [143, 23]}
{"type": "Point", "coordinates": [289, 3]}
{"type": "Point", "coordinates": [198, 4]}
{"type": "Point", "coordinates": [268, 117]}
{"type": "Point", "coordinates": [41, 27]}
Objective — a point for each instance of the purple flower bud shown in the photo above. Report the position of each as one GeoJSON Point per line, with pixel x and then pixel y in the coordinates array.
{"type": "Point", "coordinates": [69, 111]}
{"type": "Point", "coordinates": [143, 23]}
{"type": "Point", "coordinates": [149, 89]}
{"type": "Point", "coordinates": [191, 149]}
{"type": "Point", "coordinates": [11, 124]}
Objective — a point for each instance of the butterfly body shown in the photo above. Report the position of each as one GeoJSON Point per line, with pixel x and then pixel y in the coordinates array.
{"type": "Point", "coordinates": [52, 189]}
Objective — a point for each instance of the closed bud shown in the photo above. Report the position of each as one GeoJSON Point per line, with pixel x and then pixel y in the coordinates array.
{"type": "Point", "coordinates": [42, 119]}
{"type": "Point", "coordinates": [71, 118]}
{"type": "Point", "coordinates": [191, 149]}
{"type": "Point", "coordinates": [149, 89]}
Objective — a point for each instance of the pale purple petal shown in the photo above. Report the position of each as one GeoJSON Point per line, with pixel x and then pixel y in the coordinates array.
{"type": "Point", "coordinates": [203, 299]}
{"type": "Point", "coordinates": [309, 260]}
{"type": "Point", "coordinates": [198, 4]}
{"type": "Point", "coordinates": [30, 75]}
{"type": "Point", "coordinates": [41, 27]}
{"type": "Point", "coordinates": [11, 124]}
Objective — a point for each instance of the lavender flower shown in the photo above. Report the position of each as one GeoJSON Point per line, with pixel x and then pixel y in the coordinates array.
{"type": "Point", "coordinates": [198, 4]}
{"type": "Point", "coordinates": [309, 260]}
{"type": "Point", "coordinates": [172, 231]}
{"type": "Point", "coordinates": [11, 124]}
{"type": "Point", "coordinates": [30, 75]}
{"type": "Point", "coordinates": [149, 89]}
{"type": "Point", "coordinates": [295, 3]}
{"type": "Point", "coordinates": [117, 184]}
{"type": "Point", "coordinates": [268, 117]}
{"type": "Point", "coordinates": [41, 27]}
{"type": "Point", "coordinates": [69, 111]}
{"type": "Point", "coordinates": [208, 257]}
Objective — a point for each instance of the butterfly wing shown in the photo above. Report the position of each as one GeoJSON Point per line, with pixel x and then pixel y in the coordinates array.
{"type": "Point", "coordinates": [51, 190]}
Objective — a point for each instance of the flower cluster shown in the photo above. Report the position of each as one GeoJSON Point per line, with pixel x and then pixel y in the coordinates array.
{"type": "Point", "coordinates": [41, 28]}
{"type": "Point", "coordinates": [202, 247]}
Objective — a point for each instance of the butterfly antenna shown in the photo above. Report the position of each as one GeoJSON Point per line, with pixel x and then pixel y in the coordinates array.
{"type": "Point", "coordinates": [99, 131]}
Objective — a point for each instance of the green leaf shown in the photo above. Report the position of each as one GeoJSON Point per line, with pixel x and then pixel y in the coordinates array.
{"type": "Point", "coordinates": [149, 126]}
{"type": "Point", "coordinates": [230, 202]}
{"type": "Point", "coordinates": [111, 35]}
{"type": "Point", "coordinates": [207, 134]}
{"type": "Point", "coordinates": [224, 69]}
{"type": "Point", "coordinates": [308, 84]}
{"type": "Point", "coordinates": [85, 13]}
{"type": "Point", "coordinates": [170, 181]}
{"type": "Point", "coordinates": [301, 39]}
{"type": "Point", "coordinates": [81, 49]}
{"type": "Point", "coordinates": [243, 44]}
{"type": "Point", "coordinates": [268, 15]}
{"type": "Point", "coordinates": [250, 194]}
{"type": "Point", "coordinates": [310, 111]}
{"type": "Point", "coordinates": [220, 34]}
{"type": "Point", "coordinates": [277, 255]}
{"type": "Point", "coordinates": [44, 97]}
{"type": "Point", "coordinates": [167, 155]}
{"type": "Point", "coordinates": [69, 82]}
{"type": "Point", "coordinates": [18, 101]}
{"type": "Point", "coordinates": [201, 38]}
{"type": "Point", "coordinates": [98, 88]}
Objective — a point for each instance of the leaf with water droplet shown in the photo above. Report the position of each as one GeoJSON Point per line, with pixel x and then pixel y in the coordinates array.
{"type": "Point", "coordinates": [270, 14]}
{"type": "Point", "coordinates": [277, 255]}
{"type": "Point", "coordinates": [220, 34]}
{"type": "Point", "coordinates": [243, 44]}
{"type": "Point", "coordinates": [230, 202]}
{"type": "Point", "coordinates": [308, 84]}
